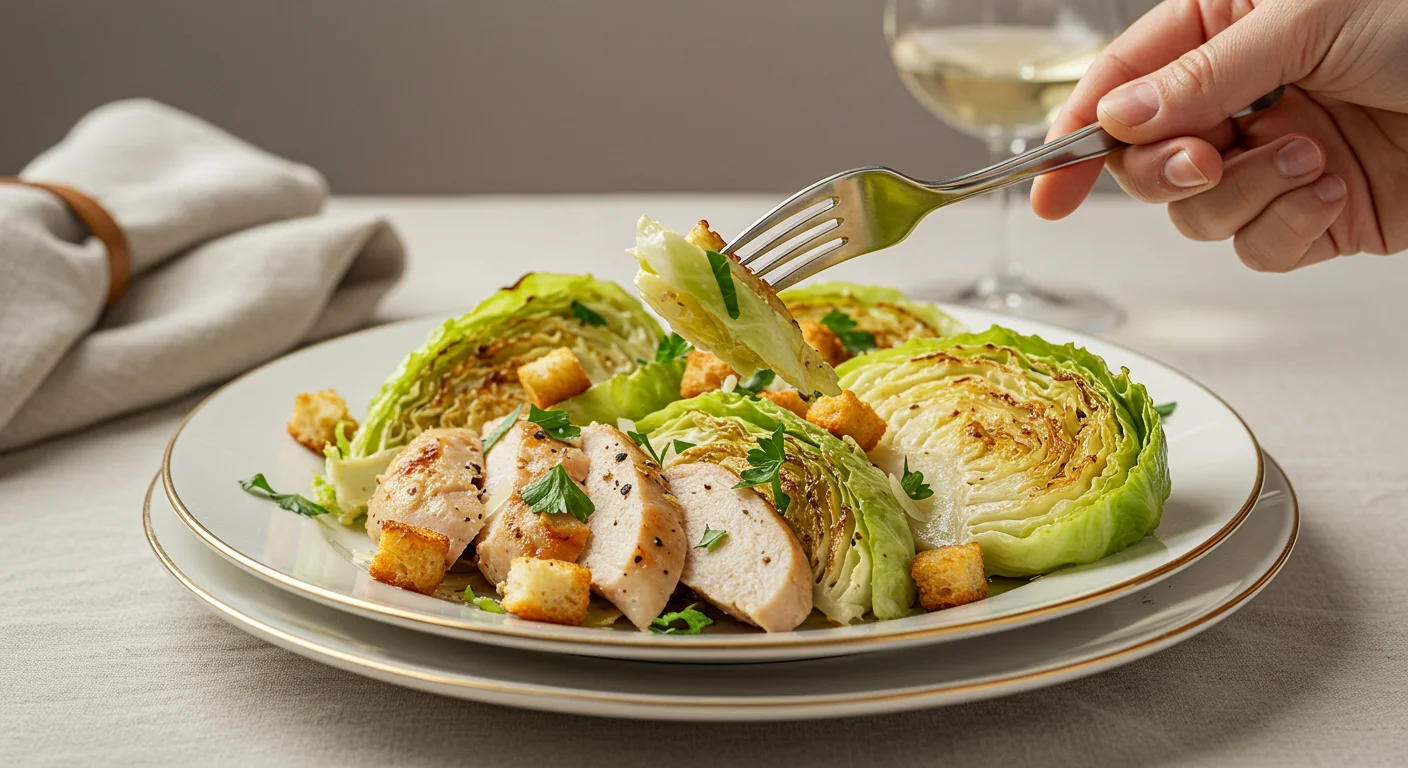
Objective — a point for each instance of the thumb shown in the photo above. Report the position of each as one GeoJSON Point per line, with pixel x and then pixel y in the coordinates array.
{"type": "Point", "coordinates": [1273, 45]}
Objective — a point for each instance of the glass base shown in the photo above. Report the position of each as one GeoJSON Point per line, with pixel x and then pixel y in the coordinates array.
{"type": "Point", "coordinates": [1011, 295]}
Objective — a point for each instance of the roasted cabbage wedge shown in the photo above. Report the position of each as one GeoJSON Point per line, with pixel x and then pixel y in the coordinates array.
{"type": "Point", "coordinates": [886, 313]}
{"type": "Point", "coordinates": [677, 279]}
{"type": "Point", "coordinates": [1038, 452]}
{"type": "Point", "coordinates": [841, 507]}
{"type": "Point", "coordinates": [466, 372]}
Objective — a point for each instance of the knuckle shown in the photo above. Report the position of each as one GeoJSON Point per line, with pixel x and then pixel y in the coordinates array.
{"type": "Point", "coordinates": [1193, 222]}
{"type": "Point", "coordinates": [1255, 255]}
{"type": "Point", "coordinates": [1195, 71]}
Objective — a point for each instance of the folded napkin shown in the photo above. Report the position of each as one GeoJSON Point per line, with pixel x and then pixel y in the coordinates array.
{"type": "Point", "coordinates": [231, 264]}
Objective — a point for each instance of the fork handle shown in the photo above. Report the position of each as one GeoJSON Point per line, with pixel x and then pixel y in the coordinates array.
{"type": "Point", "coordinates": [1085, 144]}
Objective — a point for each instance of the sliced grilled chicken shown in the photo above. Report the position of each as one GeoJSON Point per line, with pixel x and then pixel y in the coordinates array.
{"type": "Point", "coordinates": [436, 483]}
{"type": "Point", "coordinates": [521, 457]}
{"type": "Point", "coordinates": [637, 549]}
{"type": "Point", "coordinates": [758, 573]}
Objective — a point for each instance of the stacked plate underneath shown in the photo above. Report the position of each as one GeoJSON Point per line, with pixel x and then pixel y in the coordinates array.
{"type": "Point", "coordinates": [302, 584]}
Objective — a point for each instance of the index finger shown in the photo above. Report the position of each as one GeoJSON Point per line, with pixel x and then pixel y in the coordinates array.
{"type": "Point", "coordinates": [1170, 30]}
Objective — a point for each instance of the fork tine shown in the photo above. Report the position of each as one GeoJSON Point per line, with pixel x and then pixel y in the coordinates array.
{"type": "Point", "coordinates": [770, 238]}
{"type": "Point", "coordinates": [828, 255]}
{"type": "Point", "coordinates": [826, 234]}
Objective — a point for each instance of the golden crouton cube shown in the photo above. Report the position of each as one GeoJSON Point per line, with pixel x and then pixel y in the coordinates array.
{"type": "Point", "coordinates": [409, 557]}
{"type": "Point", "coordinates": [950, 576]}
{"type": "Point", "coordinates": [554, 377]}
{"type": "Point", "coordinates": [554, 591]}
{"type": "Point", "coordinates": [705, 238]}
{"type": "Point", "coordinates": [845, 414]}
{"type": "Point", "coordinates": [703, 373]}
{"type": "Point", "coordinates": [820, 338]}
{"type": "Point", "coordinates": [790, 399]}
{"type": "Point", "coordinates": [315, 418]}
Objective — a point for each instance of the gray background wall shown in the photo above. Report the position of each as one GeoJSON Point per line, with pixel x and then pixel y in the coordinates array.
{"type": "Point", "coordinates": [471, 96]}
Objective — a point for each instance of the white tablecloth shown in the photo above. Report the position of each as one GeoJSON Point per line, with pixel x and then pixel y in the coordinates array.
{"type": "Point", "coordinates": [105, 659]}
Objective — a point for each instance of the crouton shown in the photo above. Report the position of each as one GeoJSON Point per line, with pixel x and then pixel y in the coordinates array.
{"type": "Point", "coordinates": [706, 238]}
{"type": "Point", "coordinates": [845, 414]}
{"type": "Point", "coordinates": [950, 576]}
{"type": "Point", "coordinates": [554, 591]}
{"type": "Point", "coordinates": [315, 418]}
{"type": "Point", "coordinates": [790, 399]}
{"type": "Point", "coordinates": [703, 373]}
{"type": "Point", "coordinates": [820, 338]}
{"type": "Point", "coordinates": [410, 558]}
{"type": "Point", "coordinates": [554, 377]}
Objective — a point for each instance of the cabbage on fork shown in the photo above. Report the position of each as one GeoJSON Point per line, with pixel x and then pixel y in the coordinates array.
{"type": "Point", "coordinates": [1036, 451]}
{"type": "Point", "coordinates": [720, 306]}
{"type": "Point", "coordinates": [466, 372]}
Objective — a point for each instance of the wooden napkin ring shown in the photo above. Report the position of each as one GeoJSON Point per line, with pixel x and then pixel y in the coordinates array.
{"type": "Point", "coordinates": [100, 224]}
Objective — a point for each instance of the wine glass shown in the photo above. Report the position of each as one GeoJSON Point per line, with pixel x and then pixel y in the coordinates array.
{"type": "Point", "coordinates": [1000, 70]}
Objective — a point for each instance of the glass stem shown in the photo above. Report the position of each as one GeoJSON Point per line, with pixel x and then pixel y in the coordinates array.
{"type": "Point", "coordinates": [1004, 273]}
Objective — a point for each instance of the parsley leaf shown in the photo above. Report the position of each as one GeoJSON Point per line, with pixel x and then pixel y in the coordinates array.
{"type": "Point", "coordinates": [502, 429]}
{"type": "Point", "coordinates": [555, 423]}
{"type": "Point", "coordinates": [556, 492]}
{"type": "Point", "coordinates": [644, 442]}
{"type": "Point", "coordinates": [719, 264]}
{"type": "Point", "coordinates": [913, 483]}
{"type": "Point", "coordinates": [694, 622]}
{"type": "Point", "coordinates": [586, 315]}
{"type": "Point", "coordinates": [765, 465]}
{"type": "Point", "coordinates": [756, 383]}
{"type": "Point", "coordinates": [711, 539]}
{"type": "Point", "coordinates": [486, 604]}
{"type": "Point", "coordinates": [258, 486]}
{"type": "Point", "coordinates": [844, 326]}
{"type": "Point", "coordinates": [672, 347]}
{"type": "Point", "coordinates": [1166, 410]}
{"type": "Point", "coordinates": [681, 446]}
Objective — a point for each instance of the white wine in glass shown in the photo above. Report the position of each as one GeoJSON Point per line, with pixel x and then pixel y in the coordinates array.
{"type": "Point", "coordinates": [1000, 71]}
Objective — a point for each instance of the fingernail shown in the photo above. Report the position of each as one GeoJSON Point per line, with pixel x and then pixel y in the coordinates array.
{"type": "Point", "coordinates": [1132, 104]}
{"type": "Point", "coordinates": [1329, 188]}
{"type": "Point", "coordinates": [1299, 157]}
{"type": "Point", "coordinates": [1180, 171]}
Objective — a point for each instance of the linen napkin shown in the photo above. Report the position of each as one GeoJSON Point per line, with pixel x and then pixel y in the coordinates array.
{"type": "Point", "coordinates": [231, 261]}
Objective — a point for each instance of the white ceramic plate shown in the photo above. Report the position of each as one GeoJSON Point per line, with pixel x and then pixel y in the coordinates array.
{"type": "Point", "coordinates": [239, 430]}
{"type": "Point", "coordinates": [1005, 663]}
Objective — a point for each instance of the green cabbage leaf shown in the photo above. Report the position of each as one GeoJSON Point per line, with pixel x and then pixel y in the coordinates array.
{"type": "Point", "coordinates": [633, 395]}
{"type": "Point", "coordinates": [892, 317]}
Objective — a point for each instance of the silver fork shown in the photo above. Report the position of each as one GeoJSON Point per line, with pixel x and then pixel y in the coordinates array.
{"type": "Point", "coordinates": [867, 209]}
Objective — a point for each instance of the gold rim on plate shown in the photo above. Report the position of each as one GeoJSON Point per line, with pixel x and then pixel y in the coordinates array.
{"type": "Point", "coordinates": [641, 640]}
{"type": "Point", "coordinates": [316, 649]}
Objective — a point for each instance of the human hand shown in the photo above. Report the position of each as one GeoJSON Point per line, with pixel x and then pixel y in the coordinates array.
{"type": "Point", "coordinates": [1322, 174]}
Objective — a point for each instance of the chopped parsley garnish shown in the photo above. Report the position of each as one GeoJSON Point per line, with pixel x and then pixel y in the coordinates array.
{"type": "Point", "coordinates": [487, 604]}
{"type": "Point", "coordinates": [586, 315]}
{"type": "Point", "coordinates": [672, 347]}
{"type": "Point", "coordinates": [555, 423]}
{"type": "Point", "coordinates": [556, 493]}
{"type": "Point", "coordinates": [502, 428]}
{"type": "Point", "coordinates": [765, 466]}
{"type": "Point", "coordinates": [756, 383]}
{"type": "Point", "coordinates": [644, 442]}
{"type": "Point", "coordinates": [258, 486]}
{"type": "Point", "coordinates": [1166, 410]}
{"type": "Point", "coordinates": [694, 621]}
{"type": "Point", "coordinates": [913, 483]}
{"type": "Point", "coordinates": [681, 446]}
{"type": "Point", "coordinates": [711, 539]}
{"type": "Point", "coordinates": [844, 326]}
{"type": "Point", "coordinates": [719, 264]}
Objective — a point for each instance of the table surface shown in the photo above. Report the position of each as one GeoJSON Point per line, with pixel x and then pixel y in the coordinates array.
{"type": "Point", "coordinates": [105, 659]}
